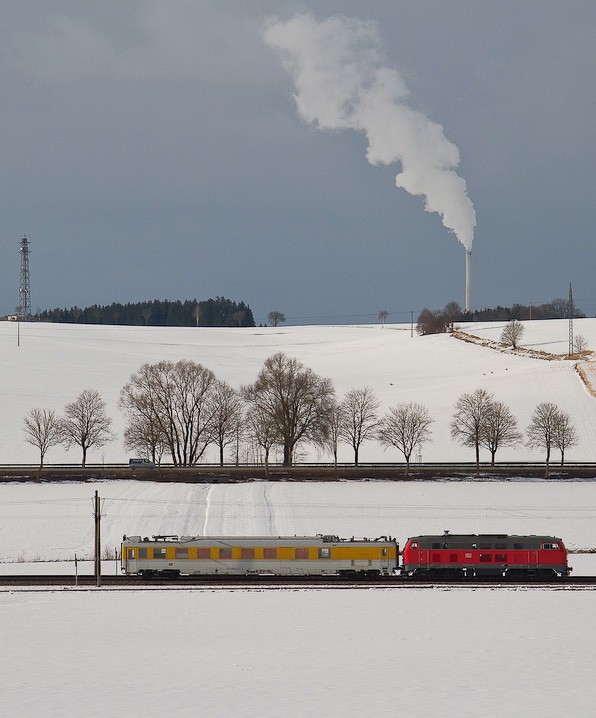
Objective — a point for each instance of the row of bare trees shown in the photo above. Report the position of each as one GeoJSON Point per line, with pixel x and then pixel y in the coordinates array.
{"type": "Point", "coordinates": [85, 424]}
{"type": "Point", "coordinates": [177, 410]}
{"type": "Point", "coordinates": [180, 409]}
{"type": "Point", "coordinates": [480, 421]}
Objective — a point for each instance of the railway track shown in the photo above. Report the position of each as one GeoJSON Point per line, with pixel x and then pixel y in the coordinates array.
{"type": "Point", "coordinates": [281, 582]}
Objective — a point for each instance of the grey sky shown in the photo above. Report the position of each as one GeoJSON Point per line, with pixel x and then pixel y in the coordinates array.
{"type": "Point", "coordinates": [153, 150]}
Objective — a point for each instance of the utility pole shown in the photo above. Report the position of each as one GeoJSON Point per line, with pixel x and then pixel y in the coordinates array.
{"type": "Point", "coordinates": [571, 312]}
{"type": "Point", "coordinates": [97, 553]}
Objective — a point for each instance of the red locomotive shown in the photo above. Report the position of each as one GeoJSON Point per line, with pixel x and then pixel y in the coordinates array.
{"type": "Point", "coordinates": [467, 555]}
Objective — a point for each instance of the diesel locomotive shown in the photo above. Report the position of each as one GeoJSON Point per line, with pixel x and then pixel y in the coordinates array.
{"type": "Point", "coordinates": [468, 555]}
{"type": "Point", "coordinates": [446, 555]}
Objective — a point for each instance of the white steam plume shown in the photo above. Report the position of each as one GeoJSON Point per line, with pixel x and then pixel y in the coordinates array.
{"type": "Point", "coordinates": [342, 82]}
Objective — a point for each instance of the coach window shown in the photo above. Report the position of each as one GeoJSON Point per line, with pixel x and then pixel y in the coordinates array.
{"type": "Point", "coordinates": [159, 553]}
{"type": "Point", "coordinates": [142, 553]}
{"type": "Point", "coordinates": [301, 553]}
{"type": "Point", "coordinates": [269, 553]}
{"type": "Point", "coordinates": [225, 553]}
{"type": "Point", "coordinates": [131, 553]}
{"type": "Point", "coordinates": [181, 552]}
{"type": "Point", "coordinates": [247, 553]}
{"type": "Point", "coordinates": [324, 553]}
{"type": "Point", "coordinates": [203, 553]}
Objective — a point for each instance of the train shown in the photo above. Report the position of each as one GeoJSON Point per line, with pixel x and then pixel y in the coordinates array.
{"type": "Point", "coordinates": [471, 555]}
{"type": "Point", "coordinates": [433, 556]}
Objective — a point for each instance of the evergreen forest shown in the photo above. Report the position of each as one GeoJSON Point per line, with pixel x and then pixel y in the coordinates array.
{"type": "Point", "coordinates": [218, 312]}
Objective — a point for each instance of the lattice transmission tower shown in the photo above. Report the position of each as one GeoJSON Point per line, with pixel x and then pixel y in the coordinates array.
{"type": "Point", "coordinates": [24, 308]}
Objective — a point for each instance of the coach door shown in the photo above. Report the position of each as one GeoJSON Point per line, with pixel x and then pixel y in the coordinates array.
{"type": "Point", "coordinates": [131, 556]}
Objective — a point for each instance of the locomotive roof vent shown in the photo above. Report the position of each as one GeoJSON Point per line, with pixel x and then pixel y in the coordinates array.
{"type": "Point", "coordinates": [329, 538]}
{"type": "Point", "coordinates": [446, 532]}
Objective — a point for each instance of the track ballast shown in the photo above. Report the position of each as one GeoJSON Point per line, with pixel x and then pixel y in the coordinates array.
{"type": "Point", "coordinates": [277, 582]}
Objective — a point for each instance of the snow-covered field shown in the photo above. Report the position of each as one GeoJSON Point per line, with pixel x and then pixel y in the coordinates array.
{"type": "Point", "coordinates": [354, 652]}
{"type": "Point", "coordinates": [55, 362]}
{"type": "Point", "coordinates": [54, 521]}
{"type": "Point", "coordinates": [350, 652]}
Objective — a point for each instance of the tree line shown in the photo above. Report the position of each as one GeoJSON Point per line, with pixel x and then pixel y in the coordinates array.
{"type": "Point", "coordinates": [176, 410]}
{"type": "Point", "coordinates": [218, 312]}
{"type": "Point", "coordinates": [442, 320]}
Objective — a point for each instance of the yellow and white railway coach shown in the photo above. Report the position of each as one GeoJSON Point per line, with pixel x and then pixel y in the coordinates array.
{"type": "Point", "coordinates": [241, 555]}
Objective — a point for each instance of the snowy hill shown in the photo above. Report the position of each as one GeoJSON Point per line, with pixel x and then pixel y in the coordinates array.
{"type": "Point", "coordinates": [48, 365]}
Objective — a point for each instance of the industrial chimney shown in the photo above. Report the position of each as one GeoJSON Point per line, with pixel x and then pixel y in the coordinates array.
{"type": "Point", "coordinates": [468, 280]}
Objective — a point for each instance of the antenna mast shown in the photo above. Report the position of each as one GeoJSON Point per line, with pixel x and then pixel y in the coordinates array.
{"type": "Point", "coordinates": [24, 308]}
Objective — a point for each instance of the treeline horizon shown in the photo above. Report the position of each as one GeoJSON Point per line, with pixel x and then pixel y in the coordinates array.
{"type": "Point", "coordinates": [556, 309]}
{"type": "Point", "coordinates": [443, 320]}
{"type": "Point", "coordinates": [218, 312]}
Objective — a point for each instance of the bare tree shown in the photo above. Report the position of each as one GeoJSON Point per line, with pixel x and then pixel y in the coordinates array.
{"type": "Point", "coordinates": [197, 313]}
{"type": "Point", "coordinates": [452, 313]}
{"type": "Point", "coordinates": [239, 316]}
{"type": "Point", "coordinates": [405, 426]}
{"type": "Point", "coordinates": [512, 333]}
{"type": "Point", "coordinates": [565, 434]}
{"type": "Point", "coordinates": [542, 429]}
{"type": "Point", "coordinates": [580, 344]}
{"type": "Point", "coordinates": [86, 423]}
{"type": "Point", "coordinates": [263, 431]}
{"type": "Point", "coordinates": [383, 314]}
{"type": "Point", "coordinates": [336, 422]}
{"type": "Point", "coordinates": [432, 322]}
{"type": "Point", "coordinates": [43, 429]}
{"type": "Point", "coordinates": [172, 402]}
{"type": "Point", "coordinates": [145, 438]}
{"type": "Point", "coordinates": [146, 314]}
{"type": "Point", "coordinates": [469, 421]}
{"type": "Point", "coordinates": [276, 318]}
{"type": "Point", "coordinates": [295, 399]}
{"type": "Point", "coordinates": [500, 429]}
{"type": "Point", "coordinates": [227, 412]}
{"type": "Point", "coordinates": [360, 419]}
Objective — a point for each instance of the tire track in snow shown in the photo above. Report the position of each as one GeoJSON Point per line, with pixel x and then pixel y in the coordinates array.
{"type": "Point", "coordinates": [207, 513]}
{"type": "Point", "coordinates": [268, 510]}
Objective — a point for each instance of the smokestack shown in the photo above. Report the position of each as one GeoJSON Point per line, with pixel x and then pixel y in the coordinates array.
{"type": "Point", "coordinates": [468, 280]}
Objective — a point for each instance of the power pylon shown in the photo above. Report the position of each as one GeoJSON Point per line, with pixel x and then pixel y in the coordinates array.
{"type": "Point", "coordinates": [24, 308]}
